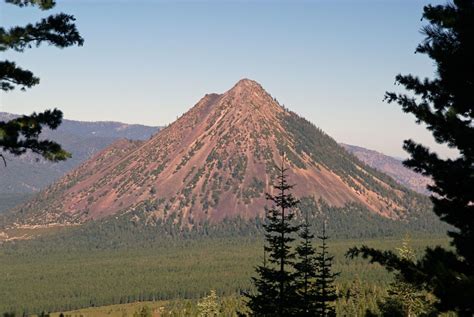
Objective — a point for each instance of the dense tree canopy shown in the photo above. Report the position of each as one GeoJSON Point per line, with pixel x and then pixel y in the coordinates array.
{"type": "Point", "coordinates": [22, 134]}
{"type": "Point", "coordinates": [445, 104]}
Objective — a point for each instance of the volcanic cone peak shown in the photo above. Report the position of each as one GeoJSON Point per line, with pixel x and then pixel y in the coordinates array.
{"type": "Point", "coordinates": [246, 85]}
{"type": "Point", "coordinates": [215, 162]}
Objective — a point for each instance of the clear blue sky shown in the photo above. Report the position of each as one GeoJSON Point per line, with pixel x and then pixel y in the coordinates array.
{"type": "Point", "coordinates": [149, 61]}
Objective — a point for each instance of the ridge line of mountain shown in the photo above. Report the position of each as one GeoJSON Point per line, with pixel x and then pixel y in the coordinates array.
{"type": "Point", "coordinates": [216, 162]}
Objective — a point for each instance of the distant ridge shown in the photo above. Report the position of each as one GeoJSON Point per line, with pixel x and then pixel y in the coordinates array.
{"type": "Point", "coordinates": [28, 174]}
{"type": "Point", "coordinates": [215, 162]}
{"type": "Point", "coordinates": [392, 167]}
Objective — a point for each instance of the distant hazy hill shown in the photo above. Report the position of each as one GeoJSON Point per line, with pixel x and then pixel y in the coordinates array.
{"type": "Point", "coordinates": [28, 174]}
{"type": "Point", "coordinates": [215, 163]}
{"type": "Point", "coordinates": [392, 167]}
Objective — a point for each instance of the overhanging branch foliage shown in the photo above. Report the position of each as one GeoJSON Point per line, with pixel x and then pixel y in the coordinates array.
{"type": "Point", "coordinates": [446, 105]}
{"type": "Point", "coordinates": [19, 135]}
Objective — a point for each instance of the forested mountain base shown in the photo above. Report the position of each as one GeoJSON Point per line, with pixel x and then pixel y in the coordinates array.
{"type": "Point", "coordinates": [64, 279]}
{"type": "Point", "coordinates": [124, 259]}
{"type": "Point", "coordinates": [137, 228]}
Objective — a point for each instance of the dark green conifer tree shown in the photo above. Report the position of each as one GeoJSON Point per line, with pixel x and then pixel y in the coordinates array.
{"type": "Point", "coordinates": [275, 282]}
{"type": "Point", "coordinates": [306, 270]}
{"type": "Point", "coordinates": [445, 104]}
{"type": "Point", "coordinates": [325, 288]}
{"type": "Point", "coordinates": [22, 134]}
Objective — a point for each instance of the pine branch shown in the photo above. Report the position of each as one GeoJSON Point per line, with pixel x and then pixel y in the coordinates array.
{"type": "Point", "coordinates": [19, 135]}
{"type": "Point", "coordinates": [42, 4]}
{"type": "Point", "coordinates": [11, 76]}
{"type": "Point", "coordinates": [58, 30]}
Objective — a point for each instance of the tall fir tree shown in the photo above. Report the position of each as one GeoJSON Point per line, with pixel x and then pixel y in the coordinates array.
{"type": "Point", "coordinates": [275, 282]}
{"type": "Point", "coordinates": [325, 289]}
{"type": "Point", "coordinates": [21, 134]}
{"type": "Point", "coordinates": [445, 104]}
{"type": "Point", "coordinates": [306, 271]}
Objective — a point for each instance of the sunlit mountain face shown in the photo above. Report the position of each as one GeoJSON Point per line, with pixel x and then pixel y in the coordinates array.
{"type": "Point", "coordinates": [216, 162]}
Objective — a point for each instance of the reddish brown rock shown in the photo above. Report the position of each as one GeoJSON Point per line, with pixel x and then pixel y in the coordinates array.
{"type": "Point", "coordinates": [216, 161]}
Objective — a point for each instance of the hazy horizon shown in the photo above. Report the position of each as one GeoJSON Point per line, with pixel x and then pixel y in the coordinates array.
{"type": "Point", "coordinates": [329, 61]}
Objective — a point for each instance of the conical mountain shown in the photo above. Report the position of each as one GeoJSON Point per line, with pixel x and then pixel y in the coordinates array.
{"type": "Point", "coordinates": [216, 162]}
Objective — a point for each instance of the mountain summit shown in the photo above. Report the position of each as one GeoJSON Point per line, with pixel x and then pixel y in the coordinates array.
{"type": "Point", "coordinates": [216, 162]}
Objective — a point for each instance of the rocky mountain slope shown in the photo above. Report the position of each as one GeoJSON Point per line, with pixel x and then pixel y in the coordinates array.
{"type": "Point", "coordinates": [392, 167]}
{"type": "Point", "coordinates": [216, 162]}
